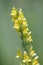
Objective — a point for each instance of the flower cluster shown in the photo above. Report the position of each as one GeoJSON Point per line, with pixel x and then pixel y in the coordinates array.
{"type": "Point", "coordinates": [20, 24]}
{"type": "Point", "coordinates": [28, 57]}
{"type": "Point", "coordinates": [31, 59]}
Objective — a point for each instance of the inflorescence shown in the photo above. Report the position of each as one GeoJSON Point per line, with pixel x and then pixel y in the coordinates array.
{"type": "Point", "coordinates": [28, 57]}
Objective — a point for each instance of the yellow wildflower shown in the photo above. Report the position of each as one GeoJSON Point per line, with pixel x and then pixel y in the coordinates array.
{"type": "Point", "coordinates": [32, 52]}
{"type": "Point", "coordinates": [20, 24]}
{"type": "Point", "coordinates": [26, 57]}
{"type": "Point", "coordinates": [20, 14]}
{"type": "Point", "coordinates": [25, 23]}
{"type": "Point", "coordinates": [29, 33]}
{"type": "Point", "coordinates": [36, 57]}
{"type": "Point", "coordinates": [38, 64]}
{"type": "Point", "coordinates": [16, 25]}
{"type": "Point", "coordinates": [35, 62]}
{"type": "Point", "coordinates": [29, 38]}
{"type": "Point", "coordinates": [19, 54]}
{"type": "Point", "coordinates": [25, 30]}
{"type": "Point", "coordinates": [14, 11]}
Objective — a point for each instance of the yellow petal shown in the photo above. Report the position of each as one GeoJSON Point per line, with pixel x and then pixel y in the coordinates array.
{"type": "Point", "coordinates": [16, 27]}
{"type": "Point", "coordinates": [25, 30]}
{"type": "Point", "coordinates": [29, 38]}
{"type": "Point", "coordinates": [21, 15]}
{"type": "Point", "coordinates": [35, 62]}
{"type": "Point", "coordinates": [13, 12]}
{"type": "Point", "coordinates": [36, 57]}
{"type": "Point", "coordinates": [19, 54]}
{"type": "Point", "coordinates": [25, 23]}
{"type": "Point", "coordinates": [26, 57]}
{"type": "Point", "coordinates": [38, 64]}
{"type": "Point", "coordinates": [29, 33]}
{"type": "Point", "coordinates": [32, 52]}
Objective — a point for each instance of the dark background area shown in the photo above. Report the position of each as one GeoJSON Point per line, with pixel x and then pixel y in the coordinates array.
{"type": "Point", "coordinates": [9, 41]}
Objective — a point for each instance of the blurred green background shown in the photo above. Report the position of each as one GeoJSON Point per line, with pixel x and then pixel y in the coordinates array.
{"type": "Point", "coordinates": [9, 41]}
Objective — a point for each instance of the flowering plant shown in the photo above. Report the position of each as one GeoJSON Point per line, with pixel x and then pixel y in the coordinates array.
{"type": "Point", "coordinates": [28, 56]}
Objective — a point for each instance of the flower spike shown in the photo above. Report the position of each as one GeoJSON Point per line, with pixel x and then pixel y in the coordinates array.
{"type": "Point", "coordinates": [28, 57]}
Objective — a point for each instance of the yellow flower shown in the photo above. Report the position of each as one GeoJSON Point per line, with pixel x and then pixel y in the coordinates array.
{"type": "Point", "coordinates": [36, 57]}
{"type": "Point", "coordinates": [29, 33]}
{"type": "Point", "coordinates": [14, 12]}
{"type": "Point", "coordinates": [25, 30]}
{"type": "Point", "coordinates": [20, 14]}
{"type": "Point", "coordinates": [35, 62]}
{"type": "Point", "coordinates": [16, 25]}
{"type": "Point", "coordinates": [32, 52]}
{"type": "Point", "coordinates": [26, 57]}
{"type": "Point", "coordinates": [16, 21]}
{"type": "Point", "coordinates": [38, 64]}
{"type": "Point", "coordinates": [25, 23]}
{"type": "Point", "coordinates": [20, 24]}
{"type": "Point", "coordinates": [29, 38]}
{"type": "Point", "coordinates": [19, 54]}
